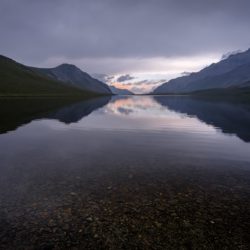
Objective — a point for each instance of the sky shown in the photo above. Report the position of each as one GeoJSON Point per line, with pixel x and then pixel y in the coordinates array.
{"type": "Point", "coordinates": [134, 44]}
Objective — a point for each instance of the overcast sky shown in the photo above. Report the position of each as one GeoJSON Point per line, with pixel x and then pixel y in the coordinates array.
{"type": "Point", "coordinates": [120, 37]}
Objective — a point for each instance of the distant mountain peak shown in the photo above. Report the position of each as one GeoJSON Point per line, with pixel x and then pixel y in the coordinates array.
{"type": "Point", "coordinates": [72, 75]}
{"type": "Point", "coordinates": [231, 53]}
{"type": "Point", "coordinates": [118, 91]}
{"type": "Point", "coordinates": [2, 57]}
{"type": "Point", "coordinates": [232, 71]}
{"type": "Point", "coordinates": [66, 65]}
{"type": "Point", "coordinates": [20, 80]}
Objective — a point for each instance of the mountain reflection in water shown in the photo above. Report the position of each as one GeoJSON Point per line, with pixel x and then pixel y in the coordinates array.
{"type": "Point", "coordinates": [137, 172]}
{"type": "Point", "coordinates": [17, 112]}
{"type": "Point", "coordinates": [229, 116]}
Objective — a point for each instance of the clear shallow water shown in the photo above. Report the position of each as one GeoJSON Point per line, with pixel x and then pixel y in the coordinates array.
{"type": "Point", "coordinates": [125, 172]}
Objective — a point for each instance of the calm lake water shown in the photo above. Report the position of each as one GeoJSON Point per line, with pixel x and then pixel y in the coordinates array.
{"type": "Point", "coordinates": [138, 172]}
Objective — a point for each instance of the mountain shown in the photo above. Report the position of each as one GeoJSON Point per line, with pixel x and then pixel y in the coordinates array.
{"type": "Point", "coordinates": [75, 77]}
{"type": "Point", "coordinates": [118, 91]}
{"type": "Point", "coordinates": [17, 79]}
{"type": "Point", "coordinates": [115, 90]}
{"type": "Point", "coordinates": [233, 71]}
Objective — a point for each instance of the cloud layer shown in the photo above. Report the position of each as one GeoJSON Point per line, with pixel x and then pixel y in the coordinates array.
{"type": "Point", "coordinates": [119, 37]}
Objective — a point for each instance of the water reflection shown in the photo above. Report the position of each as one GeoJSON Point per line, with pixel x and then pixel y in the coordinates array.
{"type": "Point", "coordinates": [230, 116]}
{"type": "Point", "coordinates": [17, 112]}
{"type": "Point", "coordinates": [75, 112]}
{"type": "Point", "coordinates": [126, 173]}
{"type": "Point", "coordinates": [154, 113]}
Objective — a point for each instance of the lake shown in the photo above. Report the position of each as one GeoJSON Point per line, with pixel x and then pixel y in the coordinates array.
{"type": "Point", "coordinates": [129, 172]}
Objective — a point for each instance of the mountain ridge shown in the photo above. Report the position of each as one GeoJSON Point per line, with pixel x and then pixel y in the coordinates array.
{"type": "Point", "coordinates": [225, 73]}
{"type": "Point", "coordinates": [118, 91]}
{"type": "Point", "coordinates": [17, 79]}
{"type": "Point", "coordinates": [74, 76]}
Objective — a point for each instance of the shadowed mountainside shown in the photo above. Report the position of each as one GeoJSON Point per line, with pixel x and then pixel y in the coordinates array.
{"type": "Point", "coordinates": [19, 80]}
{"type": "Point", "coordinates": [75, 77]}
{"type": "Point", "coordinates": [233, 71]}
{"type": "Point", "coordinates": [118, 91]}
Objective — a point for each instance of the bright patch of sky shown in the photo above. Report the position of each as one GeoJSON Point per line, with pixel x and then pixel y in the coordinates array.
{"type": "Point", "coordinates": [156, 71]}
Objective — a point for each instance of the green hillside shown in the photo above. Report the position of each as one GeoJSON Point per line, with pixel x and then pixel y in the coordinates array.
{"type": "Point", "coordinates": [19, 80]}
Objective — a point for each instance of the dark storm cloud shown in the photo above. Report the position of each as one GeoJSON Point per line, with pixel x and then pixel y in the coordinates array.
{"type": "Point", "coordinates": [36, 31]}
{"type": "Point", "coordinates": [124, 78]}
